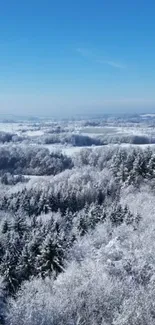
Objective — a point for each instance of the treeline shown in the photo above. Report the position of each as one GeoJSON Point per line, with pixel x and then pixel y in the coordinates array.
{"type": "Point", "coordinates": [59, 135]}
{"type": "Point", "coordinates": [79, 140]}
{"type": "Point", "coordinates": [130, 139]}
{"type": "Point", "coordinates": [6, 137]}
{"type": "Point", "coordinates": [10, 179]}
{"type": "Point", "coordinates": [102, 175]}
{"type": "Point", "coordinates": [32, 160]}
{"type": "Point", "coordinates": [71, 252]}
{"type": "Point", "coordinates": [71, 191]}
{"type": "Point", "coordinates": [76, 140]}
{"type": "Point", "coordinates": [130, 165]}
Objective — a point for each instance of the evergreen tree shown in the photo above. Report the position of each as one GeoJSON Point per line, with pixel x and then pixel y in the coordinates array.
{"type": "Point", "coordinates": [51, 257]}
{"type": "Point", "coordinates": [26, 264]}
{"type": "Point", "coordinates": [19, 225]}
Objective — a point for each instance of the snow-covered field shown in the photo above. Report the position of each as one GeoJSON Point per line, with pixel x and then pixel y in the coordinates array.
{"type": "Point", "coordinates": [34, 133]}
{"type": "Point", "coordinates": [72, 150]}
{"type": "Point", "coordinates": [11, 127]}
{"type": "Point", "coordinates": [125, 130]}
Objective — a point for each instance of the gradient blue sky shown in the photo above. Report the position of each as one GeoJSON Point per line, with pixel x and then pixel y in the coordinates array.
{"type": "Point", "coordinates": [68, 57]}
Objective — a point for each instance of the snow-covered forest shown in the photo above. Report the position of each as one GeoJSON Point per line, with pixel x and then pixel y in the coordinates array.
{"type": "Point", "coordinates": [77, 222]}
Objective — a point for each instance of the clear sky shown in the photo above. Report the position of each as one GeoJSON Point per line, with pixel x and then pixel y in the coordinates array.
{"type": "Point", "coordinates": [82, 56]}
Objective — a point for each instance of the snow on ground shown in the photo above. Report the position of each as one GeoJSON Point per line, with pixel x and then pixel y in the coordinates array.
{"type": "Point", "coordinates": [147, 115]}
{"type": "Point", "coordinates": [20, 129]}
{"type": "Point", "coordinates": [33, 133]}
{"type": "Point", "coordinates": [69, 151]}
{"type": "Point", "coordinates": [141, 131]}
{"type": "Point", "coordinates": [10, 127]}
{"type": "Point", "coordinates": [31, 130]}
{"type": "Point", "coordinates": [37, 130]}
{"type": "Point", "coordinates": [108, 130]}
{"type": "Point", "coordinates": [97, 130]}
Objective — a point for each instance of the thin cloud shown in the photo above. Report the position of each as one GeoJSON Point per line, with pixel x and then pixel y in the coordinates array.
{"type": "Point", "coordinates": [89, 54]}
{"type": "Point", "coordinates": [85, 52]}
{"type": "Point", "coordinates": [112, 64]}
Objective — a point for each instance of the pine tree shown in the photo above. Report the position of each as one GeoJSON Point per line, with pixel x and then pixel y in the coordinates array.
{"type": "Point", "coordinates": [26, 264]}
{"type": "Point", "coordinates": [8, 271]}
{"type": "Point", "coordinates": [117, 215]}
{"type": "Point", "coordinates": [2, 302]}
{"type": "Point", "coordinates": [5, 227]}
{"type": "Point", "coordinates": [151, 167]}
{"type": "Point", "coordinates": [19, 225]}
{"type": "Point", "coordinates": [51, 257]}
{"type": "Point", "coordinates": [128, 216]}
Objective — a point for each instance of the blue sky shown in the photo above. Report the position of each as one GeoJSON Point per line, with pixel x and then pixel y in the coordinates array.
{"type": "Point", "coordinates": [68, 57]}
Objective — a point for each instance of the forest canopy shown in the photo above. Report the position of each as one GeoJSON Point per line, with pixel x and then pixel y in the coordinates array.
{"type": "Point", "coordinates": [75, 246]}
